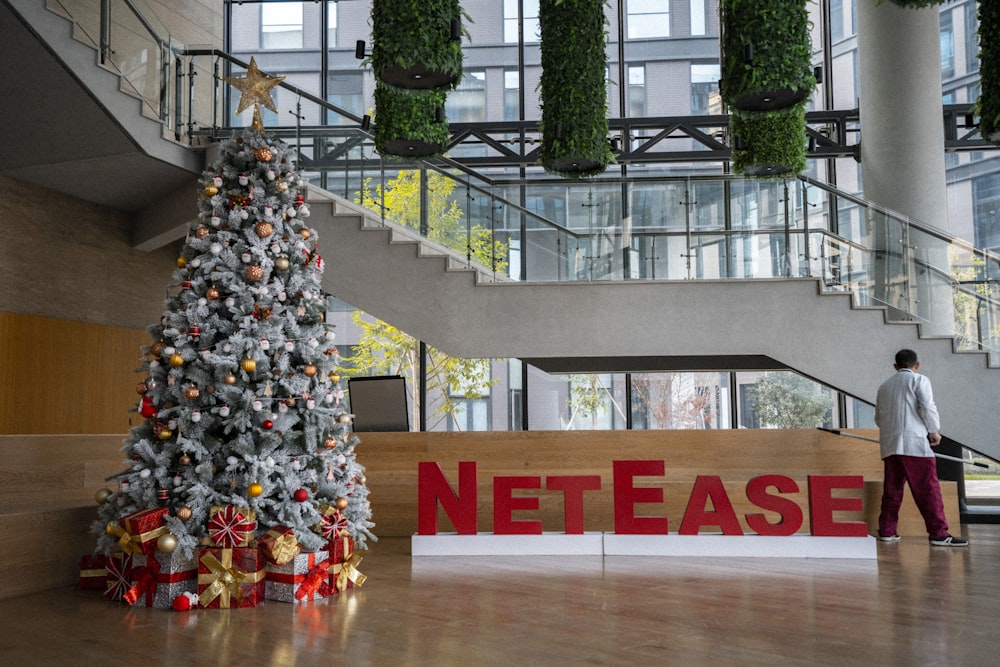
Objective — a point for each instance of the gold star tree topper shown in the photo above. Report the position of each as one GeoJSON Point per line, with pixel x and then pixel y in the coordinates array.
{"type": "Point", "coordinates": [256, 88]}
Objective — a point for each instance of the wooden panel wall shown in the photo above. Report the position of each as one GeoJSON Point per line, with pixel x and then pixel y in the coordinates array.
{"type": "Point", "coordinates": [735, 455]}
{"type": "Point", "coordinates": [60, 376]}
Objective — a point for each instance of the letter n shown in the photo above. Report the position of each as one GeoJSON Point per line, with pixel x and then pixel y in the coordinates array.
{"type": "Point", "coordinates": [432, 487]}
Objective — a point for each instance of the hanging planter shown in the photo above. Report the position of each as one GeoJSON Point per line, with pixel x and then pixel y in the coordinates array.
{"type": "Point", "coordinates": [574, 122]}
{"type": "Point", "coordinates": [417, 44]}
{"type": "Point", "coordinates": [410, 123]}
{"type": "Point", "coordinates": [988, 104]}
{"type": "Point", "coordinates": [769, 144]}
{"type": "Point", "coordinates": [766, 54]}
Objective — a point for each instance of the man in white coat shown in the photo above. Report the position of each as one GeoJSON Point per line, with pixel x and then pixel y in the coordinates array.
{"type": "Point", "coordinates": [909, 426]}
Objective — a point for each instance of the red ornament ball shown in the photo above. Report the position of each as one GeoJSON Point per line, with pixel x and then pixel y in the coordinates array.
{"type": "Point", "coordinates": [301, 495]}
{"type": "Point", "coordinates": [182, 602]}
{"type": "Point", "coordinates": [268, 424]}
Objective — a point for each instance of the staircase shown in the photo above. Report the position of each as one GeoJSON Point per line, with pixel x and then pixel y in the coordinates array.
{"type": "Point", "coordinates": [425, 290]}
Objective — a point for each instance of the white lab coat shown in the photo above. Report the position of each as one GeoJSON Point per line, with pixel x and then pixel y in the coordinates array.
{"type": "Point", "coordinates": [905, 413]}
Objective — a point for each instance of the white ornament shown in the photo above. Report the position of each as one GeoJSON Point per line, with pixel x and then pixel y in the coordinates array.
{"type": "Point", "coordinates": [289, 345]}
{"type": "Point", "coordinates": [224, 411]}
{"type": "Point", "coordinates": [215, 248]}
{"type": "Point", "coordinates": [265, 344]}
{"type": "Point", "coordinates": [232, 460]}
{"type": "Point", "coordinates": [172, 424]}
{"type": "Point", "coordinates": [169, 350]}
{"type": "Point", "coordinates": [244, 214]}
{"type": "Point", "coordinates": [329, 397]}
{"type": "Point", "coordinates": [246, 257]}
{"type": "Point", "coordinates": [257, 405]}
{"type": "Point", "coordinates": [215, 221]}
{"type": "Point", "coordinates": [145, 472]}
{"type": "Point", "coordinates": [230, 302]}
{"type": "Point", "coordinates": [227, 347]}
{"type": "Point", "coordinates": [196, 262]}
{"type": "Point", "coordinates": [304, 211]}
{"type": "Point", "coordinates": [275, 248]}
{"type": "Point", "coordinates": [290, 212]}
{"type": "Point", "coordinates": [218, 181]}
{"type": "Point", "coordinates": [202, 302]}
{"type": "Point", "coordinates": [310, 403]}
{"type": "Point", "coordinates": [313, 343]}
{"type": "Point", "coordinates": [282, 295]}
{"type": "Point", "coordinates": [270, 174]}
{"type": "Point", "coordinates": [282, 407]}
{"type": "Point", "coordinates": [330, 335]}
{"type": "Point", "coordinates": [268, 211]}
{"type": "Point", "coordinates": [269, 461]}
{"type": "Point", "coordinates": [196, 416]}
{"type": "Point", "coordinates": [243, 179]}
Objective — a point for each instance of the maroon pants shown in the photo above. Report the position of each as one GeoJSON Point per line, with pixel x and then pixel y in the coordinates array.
{"type": "Point", "coordinates": [921, 474]}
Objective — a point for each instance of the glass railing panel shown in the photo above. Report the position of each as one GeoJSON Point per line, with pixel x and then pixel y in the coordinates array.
{"type": "Point", "coordinates": [86, 14]}
{"type": "Point", "coordinates": [139, 55]}
{"type": "Point", "coordinates": [706, 204]}
{"type": "Point", "coordinates": [932, 282]}
{"type": "Point", "coordinates": [656, 206]}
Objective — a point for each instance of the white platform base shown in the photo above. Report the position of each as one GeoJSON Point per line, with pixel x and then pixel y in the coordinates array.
{"type": "Point", "coordinates": [740, 546]}
{"type": "Point", "coordinates": [612, 544]}
{"type": "Point", "coordinates": [488, 544]}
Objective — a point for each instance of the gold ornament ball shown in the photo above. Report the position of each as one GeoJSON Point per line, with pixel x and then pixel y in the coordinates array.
{"type": "Point", "coordinates": [183, 513]}
{"type": "Point", "coordinates": [166, 543]}
{"type": "Point", "coordinates": [102, 495]}
{"type": "Point", "coordinates": [192, 393]}
{"type": "Point", "coordinates": [184, 460]}
{"type": "Point", "coordinates": [176, 359]}
{"type": "Point", "coordinates": [181, 262]}
{"type": "Point", "coordinates": [249, 365]}
{"type": "Point", "coordinates": [344, 418]}
{"type": "Point", "coordinates": [281, 263]}
{"type": "Point", "coordinates": [341, 503]}
{"type": "Point", "coordinates": [212, 293]}
{"type": "Point", "coordinates": [201, 232]}
{"type": "Point", "coordinates": [230, 379]}
{"type": "Point", "coordinates": [255, 490]}
{"type": "Point", "coordinates": [165, 433]}
{"type": "Point", "coordinates": [334, 377]}
{"type": "Point", "coordinates": [211, 189]}
{"type": "Point", "coordinates": [305, 233]}
{"type": "Point", "coordinates": [156, 348]}
{"type": "Point", "coordinates": [264, 229]}
{"type": "Point", "coordinates": [254, 272]}
{"type": "Point", "coordinates": [309, 370]}
{"type": "Point", "coordinates": [329, 442]}
{"type": "Point", "coordinates": [264, 154]}
{"type": "Point", "coordinates": [281, 186]}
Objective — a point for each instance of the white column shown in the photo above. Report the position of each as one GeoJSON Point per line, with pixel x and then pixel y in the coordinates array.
{"type": "Point", "coordinates": [902, 147]}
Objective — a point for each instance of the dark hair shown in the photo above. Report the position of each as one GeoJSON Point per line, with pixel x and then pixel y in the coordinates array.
{"type": "Point", "coordinates": [906, 358]}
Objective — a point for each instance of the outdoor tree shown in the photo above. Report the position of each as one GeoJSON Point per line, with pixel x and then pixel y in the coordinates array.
{"type": "Point", "coordinates": [445, 222]}
{"type": "Point", "coordinates": [788, 400]}
{"type": "Point", "coordinates": [240, 405]}
{"type": "Point", "coordinates": [668, 401]}
{"type": "Point", "coordinates": [590, 396]}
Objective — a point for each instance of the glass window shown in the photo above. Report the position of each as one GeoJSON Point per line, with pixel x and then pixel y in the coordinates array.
{"type": "Point", "coordinates": [636, 91]}
{"type": "Point", "coordinates": [467, 103]}
{"type": "Point", "coordinates": [281, 25]}
{"type": "Point", "coordinates": [841, 19]}
{"type": "Point", "coordinates": [532, 31]}
{"type": "Point", "coordinates": [705, 98]}
{"type": "Point", "coordinates": [680, 400]}
{"type": "Point", "coordinates": [971, 37]}
{"type": "Point", "coordinates": [986, 195]}
{"type": "Point", "coordinates": [511, 95]}
{"type": "Point", "coordinates": [648, 18]}
{"type": "Point", "coordinates": [346, 90]}
{"type": "Point", "coordinates": [783, 399]}
{"type": "Point", "coordinates": [331, 24]}
{"type": "Point", "coordinates": [698, 17]}
{"type": "Point", "coordinates": [947, 46]}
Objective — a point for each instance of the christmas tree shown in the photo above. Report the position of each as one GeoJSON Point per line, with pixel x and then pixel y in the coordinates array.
{"type": "Point", "coordinates": [240, 403]}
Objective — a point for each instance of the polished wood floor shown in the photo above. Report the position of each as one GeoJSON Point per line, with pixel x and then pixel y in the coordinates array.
{"type": "Point", "coordinates": [916, 605]}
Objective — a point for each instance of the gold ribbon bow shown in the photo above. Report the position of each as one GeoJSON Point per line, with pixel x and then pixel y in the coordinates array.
{"type": "Point", "coordinates": [283, 547]}
{"type": "Point", "coordinates": [348, 570]}
{"type": "Point", "coordinates": [129, 543]}
{"type": "Point", "coordinates": [223, 580]}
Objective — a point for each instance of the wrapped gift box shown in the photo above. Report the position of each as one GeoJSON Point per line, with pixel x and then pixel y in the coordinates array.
{"type": "Point", "coordinates": [230, 526]}
{"type": "Point", "coordinates": [305, 577]}
{"type": "Point", "coordinates": [332, 522]}
{"type": "Point", "coordinates": [158, 579]}
{"type": "Point", "coordinates": [344, 561]}
{"type": "Point", "coordinates": [137, 532]}
{"type": "Point", "coordinates": [93, 573]}
{"type": "Point", "coordinates": [279, 545]}
{"type": "Point", "coordinates": [229, 578]}
{"type": "Point", "coordinates": [119, 576]}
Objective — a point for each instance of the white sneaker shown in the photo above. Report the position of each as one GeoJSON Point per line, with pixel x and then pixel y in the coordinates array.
{"type": "Point", "coordinates": [890, 538]}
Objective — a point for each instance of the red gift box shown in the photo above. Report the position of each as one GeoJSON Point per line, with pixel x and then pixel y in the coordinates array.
{"type": "Point", "coordinates": [137, 533]}
{"type": "Point", "coordinates": [230, 578]}
{"type": "Point", "coordinates": [279, 545]}
{"type": "Point", "coordinates": [93, 573]}
{"type": "Point", "coordinates": [305, 577]}
{"type": "Point", "coordinates": [344, 572]}
{"type": "Point", "coordinates": [231, 526]}
{"type": "Point", "coordinates": [119, 578]}
{"type": "Point", "coordinates": [158, 579]}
